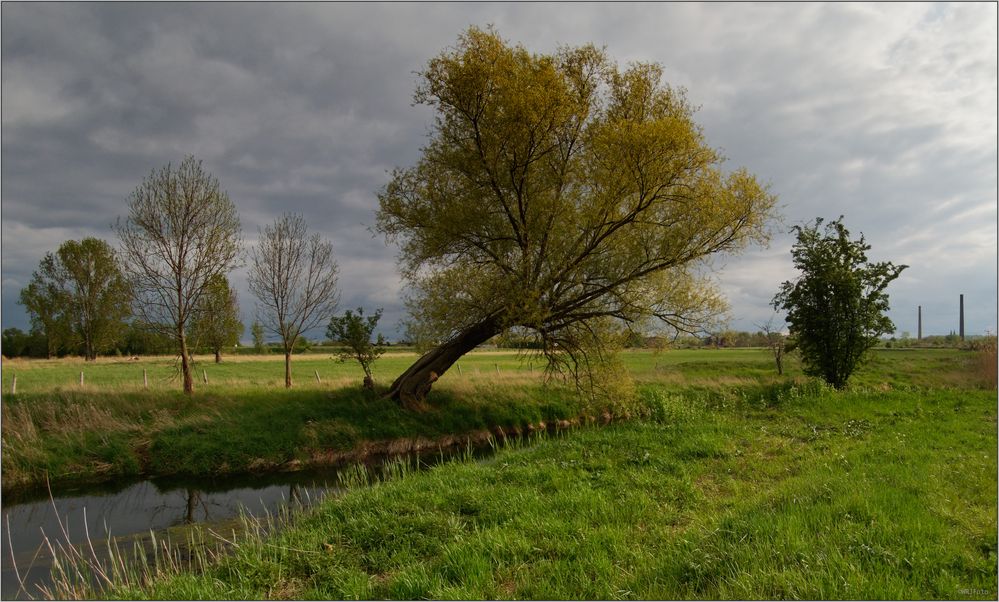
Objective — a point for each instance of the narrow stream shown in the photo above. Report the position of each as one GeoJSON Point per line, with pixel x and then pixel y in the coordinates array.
{"type": "Point", "coordinates": [128, 509]}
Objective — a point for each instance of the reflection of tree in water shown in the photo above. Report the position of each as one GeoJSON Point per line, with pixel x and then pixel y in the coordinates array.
{"type": "Point", "coordinates": [193, 498]}
{"type": "Point", "coordinates": [200, 506]}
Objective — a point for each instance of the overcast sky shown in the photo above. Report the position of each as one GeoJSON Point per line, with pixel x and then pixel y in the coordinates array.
{"type": "Point", "coordinates": [884, 113]}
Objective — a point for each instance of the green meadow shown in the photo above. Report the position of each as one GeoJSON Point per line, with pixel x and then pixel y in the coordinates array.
{"type": "Point", "coordinates": [118, 424]}
{"type": "Point", "coordinates": [725, 481]}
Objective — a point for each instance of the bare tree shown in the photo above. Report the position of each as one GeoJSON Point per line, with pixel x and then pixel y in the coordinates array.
{"type": "Point", "coordinates": [294, 276]}
{"type": "Point", "coordinates": [182, 231]}
{"type": "Point", "coordinates": [776, 341]}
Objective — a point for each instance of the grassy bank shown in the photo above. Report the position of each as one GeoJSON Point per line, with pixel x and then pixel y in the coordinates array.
{"type": "Point", "coordinates": [78, 436]}
{"type": "Point", "coordinates": [244, 420]}
{"type": "Point", "coordinates": [795, 494]}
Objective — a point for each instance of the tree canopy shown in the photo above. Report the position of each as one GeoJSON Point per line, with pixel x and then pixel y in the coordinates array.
{"type": "Point", "coordinates": [836, 308]}
{"type": "Point", "coordinates": [216, 322]}
{"type": "Point", "coordinates": [79, 297]}
{"type": "Point", "coordinates": [44, 304]}
{"type": "Point", "coordinates": [562, 194]}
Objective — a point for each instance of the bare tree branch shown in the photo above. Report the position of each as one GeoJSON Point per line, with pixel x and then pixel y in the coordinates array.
{"type": "Point", "coordinates": [294, 277]}
{"type": "Point", "coordinates": [181, 232]}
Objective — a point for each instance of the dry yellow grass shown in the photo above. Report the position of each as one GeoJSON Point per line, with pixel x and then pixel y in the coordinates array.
{"type": "Point", "coordinates": [988, 363]}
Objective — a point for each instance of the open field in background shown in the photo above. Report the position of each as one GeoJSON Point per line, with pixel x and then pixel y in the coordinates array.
{"type": "Point", "coordinates": [701, 367]}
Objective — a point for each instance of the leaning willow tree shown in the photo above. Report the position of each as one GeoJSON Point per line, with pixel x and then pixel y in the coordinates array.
{"type": "Point", "coordinates": [562, 195]}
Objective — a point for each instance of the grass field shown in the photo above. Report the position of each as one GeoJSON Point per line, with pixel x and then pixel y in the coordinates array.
{"type": "Point", "coordinates": [808, 494]}
{"type": "Point", "coordinates": [243, 419]}
{"type": "Point", "coordinates": [242, 422]}
{"type": "Point", "coordinates": [712, 367]}
{"type": "Point", "coordinates": [734, 483]}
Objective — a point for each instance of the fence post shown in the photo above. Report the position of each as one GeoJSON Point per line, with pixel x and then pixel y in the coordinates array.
{"type": "Point", "coordinates": [81, 378]}
{"type": "Point", "coordinates": [459, 369]}
{"type": "Point", "coordinates": [145, 379]}
{"type": "Point", "coordinates": [204, 374]}
{"type": "Point", "coordinates": [317, 377]}
{"type": "Point", "coordinates": [13, 385]}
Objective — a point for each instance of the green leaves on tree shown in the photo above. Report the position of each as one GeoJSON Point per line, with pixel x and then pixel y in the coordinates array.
{"type": "Point", "coordinates": [216, 322]}
{"type": "Point", "coordinates": [562, 194]}
{"type": "Point", "coordinates": [354, 332]}
{"type": "Point", "coordinates": [79, 298]}
{"type": "Point", "coordinates": [836, 308]}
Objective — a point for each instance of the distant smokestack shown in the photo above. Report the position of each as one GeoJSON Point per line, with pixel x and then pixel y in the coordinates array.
{"type": "Point", "coordinates": [919, 328]}
{"type": "Point", "coordinates": [962, 317]}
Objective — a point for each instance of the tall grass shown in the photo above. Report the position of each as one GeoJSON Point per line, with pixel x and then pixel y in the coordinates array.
{"type": "Point", "coordinates": [987, 362]}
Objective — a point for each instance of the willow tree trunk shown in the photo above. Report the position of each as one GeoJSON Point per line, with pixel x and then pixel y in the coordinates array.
{"type": "Point", "coordinates": [413, 385]}
{"type": "Point", "coordinates": [218, 356]}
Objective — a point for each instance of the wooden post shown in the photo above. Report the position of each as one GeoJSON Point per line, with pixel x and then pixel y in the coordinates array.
{"type": "Point", "coordinates": [204, 374]}
{"type": "Point", "coordinates": [81, 378]}
{"type": "Point", "coordinates": [317, 378]}
{"type": "Point", "coordinates": [13, 385]}
{"type": "Point", "coordinates": [145, 379]}
{"type": "Point", "coordinates": [459, 369]}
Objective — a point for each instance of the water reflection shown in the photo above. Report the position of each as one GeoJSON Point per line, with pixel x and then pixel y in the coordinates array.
{"type": "Point", "coordinates": [126, 509]}
{"type": "Point", "coordinates": [138, 508]}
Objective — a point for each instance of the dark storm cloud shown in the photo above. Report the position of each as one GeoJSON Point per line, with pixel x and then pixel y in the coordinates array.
{"type": "Point", "coordinates": [882, 113]}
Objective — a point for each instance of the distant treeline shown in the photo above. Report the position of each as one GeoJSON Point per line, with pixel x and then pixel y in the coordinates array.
{"type": "Point", "coordinates": [145, 341]}
{"type": "Point", "coordinates": [737, 339]}
{"type": "Point", "coordinates": [137, 340]}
